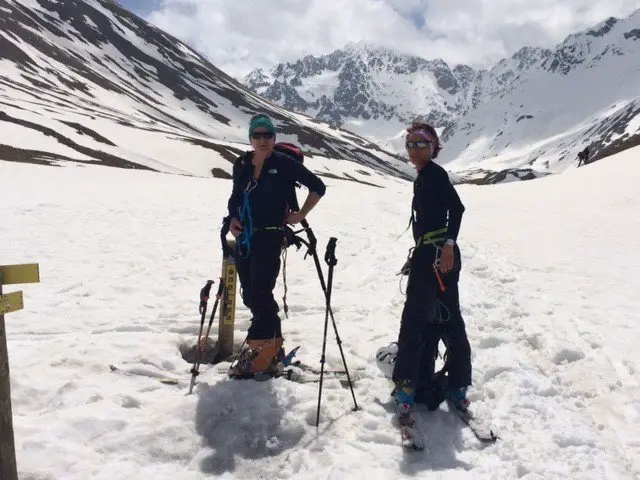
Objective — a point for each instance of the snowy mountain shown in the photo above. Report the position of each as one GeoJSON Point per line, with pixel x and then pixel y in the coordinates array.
{"type": "Point", "coordinates": [529, 114]}
{"type": "Point", "coordinates": [87, 81]}
{"type": "Point", "coordinates": [368, 88]}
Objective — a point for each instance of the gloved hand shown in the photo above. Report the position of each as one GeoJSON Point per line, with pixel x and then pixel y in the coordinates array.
{"type": "Point", "coordinates": [290, 238]}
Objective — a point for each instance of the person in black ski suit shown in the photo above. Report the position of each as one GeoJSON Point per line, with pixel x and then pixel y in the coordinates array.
{"type": "Point", "coordinates": [583, 156]}
{"type": "Point", "coordinates": [260, 206]}
{"type": "Point", "coordinates": [432, 307]}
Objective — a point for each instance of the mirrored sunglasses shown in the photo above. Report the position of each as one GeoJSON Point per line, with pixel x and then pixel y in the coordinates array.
{"type": "Point", "coordinates": [424, 144]}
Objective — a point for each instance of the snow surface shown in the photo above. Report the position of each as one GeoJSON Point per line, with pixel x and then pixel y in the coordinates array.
{"type": "Point", "coordinates": [548, 291]}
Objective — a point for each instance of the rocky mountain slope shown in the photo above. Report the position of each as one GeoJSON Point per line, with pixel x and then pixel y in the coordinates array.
{"type": "Point", "coordinates": [88, 81]}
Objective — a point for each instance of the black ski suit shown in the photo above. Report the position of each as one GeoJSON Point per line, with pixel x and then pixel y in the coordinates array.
{"type": "Point", "coordinates": [262, 207]}
{"type": "Point", "coordinates": [436, 216]}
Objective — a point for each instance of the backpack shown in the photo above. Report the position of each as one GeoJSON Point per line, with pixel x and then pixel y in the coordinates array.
{"type": "Point", "coordinates": [294, 152]}
{"type": "Point", "coordinates": [291, 150]}
{"type": "Point", "coordinates": [433, 394]}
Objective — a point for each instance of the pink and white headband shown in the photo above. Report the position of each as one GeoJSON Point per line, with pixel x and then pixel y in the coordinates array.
{"type": "Point", "coordinates": [428, 136]}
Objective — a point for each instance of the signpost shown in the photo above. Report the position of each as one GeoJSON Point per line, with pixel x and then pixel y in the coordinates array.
{"type": "Point", "coordinates": [227, 313]}
{"type": "Point", "coordinates": [10, 302]}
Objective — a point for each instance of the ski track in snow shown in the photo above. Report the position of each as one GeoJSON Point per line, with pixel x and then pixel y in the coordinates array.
{"type": "Point", "coordinates": [123, 255]}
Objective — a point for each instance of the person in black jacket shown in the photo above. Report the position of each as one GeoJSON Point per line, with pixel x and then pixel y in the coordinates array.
{"type": "Point", "coordinates": [260, 206]}
{"type": "Point", "coordinates": [433, 280]}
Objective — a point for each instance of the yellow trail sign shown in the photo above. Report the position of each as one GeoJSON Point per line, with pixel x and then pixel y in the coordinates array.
{"type": "Point", "coordinates": [17, 274]}
{"type": "Point", "coordinates": [11, 302]}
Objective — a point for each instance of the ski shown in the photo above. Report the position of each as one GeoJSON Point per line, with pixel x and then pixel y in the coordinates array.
{"type": "Point", "coordinates": [289, 374]}
{"type": "Point", "coordinates": [480, 427]}
{"type": "Point", "coordinates": [410, 435]}
{"type": "Point", "coordinates": [144, 373]}
{"type": "Point", "coordinates": [340, 375]}
{"type": "Point", "coordinates": [316, 370]}
{"type": "Point", "coordinates": [262, 377]}
{"type": "Point", "coordinates": [288, 361]}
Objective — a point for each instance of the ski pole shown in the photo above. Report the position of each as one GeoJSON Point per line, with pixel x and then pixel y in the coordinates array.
{"type": "Point", "coordinates": [202, 342]}
{"type": "Point", "coordinates": [213, 313]}
{"type": "Point", "coordinates": [204, 297]}
{"type": "Point", "coordinates": [202, 308]}
{"type": "Point", "coordinates": [331, 261]}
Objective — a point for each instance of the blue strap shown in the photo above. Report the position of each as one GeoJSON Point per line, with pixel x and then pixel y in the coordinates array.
{"type": "Point", "coordinates": [246, 218]}
{"type": "Point", "coordinates": [247, 223]}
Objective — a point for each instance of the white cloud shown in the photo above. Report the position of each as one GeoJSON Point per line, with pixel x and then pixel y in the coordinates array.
{"type": "Point", "coordinates": [239, 35]}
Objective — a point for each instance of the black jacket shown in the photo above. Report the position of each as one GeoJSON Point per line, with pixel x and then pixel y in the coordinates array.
{"type": "Point", "coordinates": [274, 193]}
{"type": "Point", "coordinates": [436, 203]}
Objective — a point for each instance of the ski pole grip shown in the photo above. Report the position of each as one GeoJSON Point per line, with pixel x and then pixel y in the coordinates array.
{"type": "Point", "coordinates": [313, 241]}
{"type": "Point", "coordinates": [220, 288]}
{"type": "Point", "coordinates": [204, 295]}
{"type": "Point", "coordinates": [330, 254]}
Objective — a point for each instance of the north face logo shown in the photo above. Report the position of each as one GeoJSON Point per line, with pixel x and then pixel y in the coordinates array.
{"type": "Point", "coordinates": [273, 171]}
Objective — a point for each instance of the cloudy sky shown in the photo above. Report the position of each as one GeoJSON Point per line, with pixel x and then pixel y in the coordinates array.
{"type": "Point", "coordinates": [239, 35]}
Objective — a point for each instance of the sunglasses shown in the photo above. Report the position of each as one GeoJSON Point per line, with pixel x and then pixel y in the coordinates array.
{"type": "Point", "coordinates": [417, 144]}
{"type": "Point", "coordinates": [259, 135]}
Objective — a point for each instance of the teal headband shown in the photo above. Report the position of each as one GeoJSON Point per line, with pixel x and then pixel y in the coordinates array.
{"type": "Point", "coordinates": [261, 121]}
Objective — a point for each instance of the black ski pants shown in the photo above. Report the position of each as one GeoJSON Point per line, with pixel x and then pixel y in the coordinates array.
{"type": "Point", "coordinates": [428, 316]}
{"type": "Point", "coordinates": [258, 275]}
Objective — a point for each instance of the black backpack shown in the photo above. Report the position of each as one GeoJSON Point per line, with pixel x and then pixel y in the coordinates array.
{"type": "Point", "coordinates": [433, 394]}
